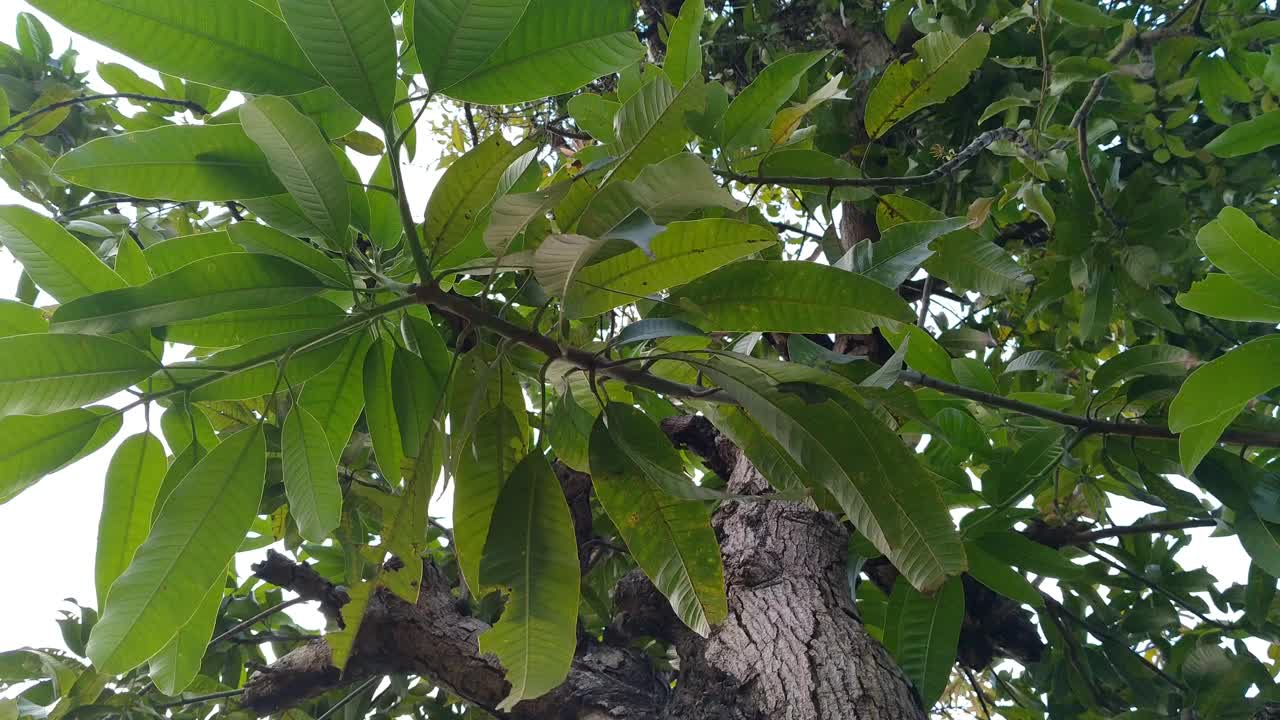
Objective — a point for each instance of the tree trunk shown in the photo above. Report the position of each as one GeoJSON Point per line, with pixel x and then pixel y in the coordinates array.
{"type": "Point", "coordinates": [793, 647]}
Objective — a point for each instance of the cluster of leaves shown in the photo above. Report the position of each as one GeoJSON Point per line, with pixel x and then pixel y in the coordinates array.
{"type": "Point", "coordinates": [344, 359]}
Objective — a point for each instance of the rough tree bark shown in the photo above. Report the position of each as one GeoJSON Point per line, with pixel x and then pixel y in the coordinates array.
{"type": "Point", "coordinates": [793, 647]}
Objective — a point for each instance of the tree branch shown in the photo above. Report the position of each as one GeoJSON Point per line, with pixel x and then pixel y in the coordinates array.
{"type": "Point", "coordinates": [1099, 427]}
{"type": "Point", "coordinates": [1141, 529]}
{"type": "Point", "coordinates": [944, 170]}
{"type": "Point", "coordinates": [189, 105]}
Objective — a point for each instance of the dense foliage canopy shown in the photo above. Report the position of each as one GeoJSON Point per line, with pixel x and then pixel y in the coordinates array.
{"type": "Point", "coordinates": [965, 275]}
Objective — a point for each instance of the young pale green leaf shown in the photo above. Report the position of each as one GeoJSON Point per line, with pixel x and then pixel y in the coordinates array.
{"type": "Point", "coordinates": [877, 481]}
{"type": "Point", "coordinates": [343, 641]}
{"type": "Point", "coordinates": [1226, 383]}
{"type": "Point", "coordinates": [554, 49]}
{"type": "Point", "coordinates": [52, 257]}
{"type": "Point", "coordinates": [454, 38]}
{"type": "Point", "coordinates": [175, 667]}
{"type": "Point", "coordinates": [380, 411]}
{"type": "Point", "coordinates": [208, 287]}
{"type": "Point", "coordinates": [901, 249]}
{"type": "Point", "coordinates": [1251, 257]}
{"type": "Point", "coordinates": [133, 483]}
{"type": "Point", "coordinates": [17, 318]}
{"type": "Point", "coordinates": [199, 528]}
{"type": "Point", "coordinates": [684, 44]}
{"type": "Point", "coordinates": [747, 120]}
{"type": "Point", "coordinates": [669, 537]}
{"type": "Point", "coordinates": [32, 446]}
{"type": "Point", "coordinates": [262, 239]}
{"type": "Point", "coordinates": [241, 326]}
{"type": "Point", "coordinates": [335, 397]}
{"type": "Point", "coordinates": [681, 253]}
{"type": "Point", "coordinates": [466, 189]}
{"type": "Point", "coordinates": [487, 459]}
{"type": "Point", "coordinates": [176, 162]}
{"type": "Point", "coordinates": [926, 634]}
{"type": "Point", "coordinates": [1247, 137]}
{"type": "Point", "coordinates": [47, 373]}
{"type": "Point", "coordinates": [799, 297]}
{"type": "Point", "coordinates": [233, 44]}
{"type": "Point", "coordinates": [1222, 296]}
{"type": "Point", "coordinates": [310, 475]}
{"type": "Point", "coordinates": [352, 44]}
{"type": "Point", "coordinates": [531, 553]}
{"type": "Point", "coordinates": [1162, 360]}
{"type": "Point", "coordinates": [941, 68]}
{"type": "Point", "coordinates": [403, 532]}
{"type": "Point", "coordinates": [300, 157]}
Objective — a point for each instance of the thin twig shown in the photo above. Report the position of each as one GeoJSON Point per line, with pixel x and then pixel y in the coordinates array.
{"type": "Point", "coordinates": [192, 106]}
{"type": "Point", "coordinates": [241, 626]}
{"type": "Point", "coordinates": [1141, 529]}
{"type": "Point", "coordinates": [982, 698]}
{"type": "Point", "coordinates": [471, 124]}
{"type": "Point", "coordinates": [202, 698]}
{"type": "Point", "coordinates": [1058, 607]}
{"type": "Point", "coordinates": [1153, 586]}
{"type": "Point", "coordinates": [350, 696]}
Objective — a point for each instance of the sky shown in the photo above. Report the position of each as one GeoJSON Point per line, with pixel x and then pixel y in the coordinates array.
{"type": "Point", "coordinates": [48, 533]}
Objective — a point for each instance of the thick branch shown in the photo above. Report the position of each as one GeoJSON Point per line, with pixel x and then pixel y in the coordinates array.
{"type": "Point", "coordinates": [1236, 436]}
{"type": "Point", "coordinates": [944, 170]}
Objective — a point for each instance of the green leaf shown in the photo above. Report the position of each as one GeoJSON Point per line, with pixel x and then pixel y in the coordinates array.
{"type": "Point", "coordinates": [241, 326]}
{"type": "Point", "coordinates": [594, 114]}
{"type": "Point", "coordinates": [487, 459]}
{"type": "Point", "coordinates": [669, 537]}
{"type": "Point", "coordinates": [997, 575]}
{"type": "Point", "coordinates": [1226, 383]}
{"type": "Point", "coordinates": [169, 255]}
{"type": "Point", "coordinates": [667, 191]}
{"type": "Point", "coordinates": [1085, 14]}
{"type": "Point", "coordinates": [417, 390]}
{"type": "Point", "coordinates": [1222, 296]}
{"type": "Point", "coordinates": [454, 38]}
{"type": "Point", "coordinates": [1195, 442]}
{"type": "Point", "coordinates": [926, 632]}
{"type": "Point", "coordinates": [242, 373]}
{"type": "Point", "coordinates": [17, 318]}
{"type": "Point", "coordinates": [1247, 137]}
{"type": "Point", "coordinates": [380, 411]}
{"type": "Point", "coordinates": [465, 189]}
{"type": "Point", "coordinates": [684, 44]}
{"type": "Point", "coordinates": [799, 297]}
{"type": "Point", "coordinates": [1259, 594]}
{"type": "Point", "coordinates": [1261, 540]}
{"type": "Point", "coordinates": [941, 68]}
{"type": "Point", "coordinates": [1161, 360]}
{"type": "Point", "coordinates": [133, 483]}
{"type": "Point", "coordinates": [352, 44]}
{"type": "Point", "coordinates": [1015, 549]}
{"type": "Point", "coordinates": [233, 44]}
{"type": "Point", "coordinates": [310, 475]}
{"type": "Point", "coordinates": [682, 252]}
{"type": "Point", "coordinates": [1033, 459]}
{"type": "Point", "coordinates": [218, 284]}
{"type": "Point", "coordinates": [554, 49]}
{"type": "Point", "coordinates": [300, 157]}
{"type": "Point", "coordinates": [175, 667]}
{"type": "Point", "coordinates": [559, 258]}
{"type": "Point", "coordinates": [263, 239]}
{"type": "Point", "coordinates": [335, 397]}
{"type": "Point", "coordinates": [531, 553]}
{"type": "Point", "coordinates": [654, 329]}
{"type": "Point", "coordinates": [511, 214]}
{"type": "Point", "coordinates": [1002, 105]}
{"type": "Point", "coordinates": [32, 446]}
{"type": "Point", "coordinates": [405, 531]}
{"type": "Point", "coordinates": [748, 117]}
{"type": "Point", "coordinates": [60, 264]}
{"type": "Point", "coordinates": [199, 528]}
{"type": "Point", "coordinates": [877, 481]}
{"type": "Point", "coordinates": [342, 641]}
{"type": "Point", "coordinates": [900, 249]}
{"type": "Point", "coordinates": [47, 373]}
{"type": "Point", "coordinates": [923, 353]}
{"type": "Point", "coordinates": [1251, 257]}
{"type": "Point", "coordinates": [177, 162]}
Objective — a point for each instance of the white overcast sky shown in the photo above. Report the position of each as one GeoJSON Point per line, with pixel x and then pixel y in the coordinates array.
{"type": "Point", "coordinates": [48, 533]}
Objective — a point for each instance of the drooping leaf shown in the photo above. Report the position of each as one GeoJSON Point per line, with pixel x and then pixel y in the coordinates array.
{"type": "Point", "coordinates": [169, 255]}
{"type": "Point", "coordinates": [310, 475]}
{"type": "Point", "coordinates": [218, 284]}
{"type": "Point", "coordinates": [531, 553]}
{"type": "Point", "coordinates": [679, 254]}
{"type": "Point", "coordinates": [380, 411]}
{"type": "Point", "coordinates": [1251, 257]}
{"type": "Point", "coordinates": [132, 486]}
{"type": "Point", "coordinates": [666, 191]}
{"type": "Point", "coordinates": [466, 189]}
{"type": "Point", "coordinates": [926, 633]}
{"type": "Point", "coordinates": [669, 537]}
{"type": "Point", "coordinates": [877, 481]}
{"type": "Point", "coordinates": [901, 249]}
{"type": "Point", "coordinates": [1164, 360]}
{"type": "Point", "coordinates": [47, 373]}
{"type": "Point", "coordinates": [241, 326]}
{"type": "Point", "coordinates": [335, 397]}
{"type": "Point", "coordinates": [487, 459]}
{"type": "Point", "coordinates": [18, 318]}
{"type": "Point", "coordinates": [300, 157]}
{"type": "Point", "coordinates": [684, 44]}
{"type": "Point", "coordinates": [747, 119]}
{"type": "Point", "coordinates": [233, 44]}
{"type": "Point", "coordinates": [554, 49]}
{"type": "Point", "coordinates": [941, 68]}
{"type": "Point", "coordinates": [176, 162]}
{"type": "Point", "coordinates": [198, 530]}
{"type": "Point", "coordinates": [762, 295]}
{"type": "Point", "coordinates": [352, 45]}
{"type": "Point", "coordinates": [262, 239]}
{"type": "Point", "coordinates": [32, 446]}
{"type": "Point", "coordinates": [175, 667]}
{"type": "Point", "coordinates": [52, 257]}
{"type": "Point", "coordinates": [1261, 540]}
{"type": "Point", "coordinates": [1226, 383]}
{"type": "Point", "coordinates": [654, 329]}
{"type": "Point", "coordinates": [453, 39]}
